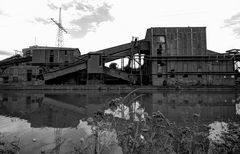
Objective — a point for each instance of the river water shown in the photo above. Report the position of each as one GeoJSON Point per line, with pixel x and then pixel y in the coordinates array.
{"type": "Point", "coordinates": [38, 118]}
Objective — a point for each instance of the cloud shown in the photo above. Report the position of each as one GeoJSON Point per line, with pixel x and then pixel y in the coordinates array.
{"type": "Point", "coordinates": [42, 20]}
{"type": "Point", "coordinates": [79, 6]}
{"type": "Point", "coordinates": [52, 6]}
{"type": "Point", "coordinates": [84, 7]}
{"type": "Point", "coordinates": [234, 20]}
{"type": "Point", "coordinates": [236, 30]}
{"type": "Point", "coordinates": [5, 53]}
{"type": "Point", "coordinates": [90, 22]}
{"type": "Point", "coordinates": [68, 5]}
{"type": "Point", "coordinates": [85, 16]}
{"type": "Point", "coordinates": [234, 23]}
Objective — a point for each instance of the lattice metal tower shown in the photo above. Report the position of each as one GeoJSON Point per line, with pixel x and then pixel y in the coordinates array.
{"type": "Point", "coordinates": [60, 40]}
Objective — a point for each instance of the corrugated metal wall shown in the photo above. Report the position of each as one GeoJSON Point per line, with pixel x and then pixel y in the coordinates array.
{"type": "Point", "coordinates": [185, 41]}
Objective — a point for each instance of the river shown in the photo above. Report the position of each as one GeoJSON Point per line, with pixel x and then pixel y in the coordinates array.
{"type": "Point", "coordinates": [39, 118]}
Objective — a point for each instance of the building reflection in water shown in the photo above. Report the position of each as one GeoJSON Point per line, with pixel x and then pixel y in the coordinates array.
{"type": "Point", "coordinates": [181, 106]}
{"type": "Point", "coordinates": [50, 118]}
{"type": "Point", "coordinates": [61, 111]}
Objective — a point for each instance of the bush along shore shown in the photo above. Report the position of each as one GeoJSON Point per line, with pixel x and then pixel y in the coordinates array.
{"type": "Point", "coordinates": [124, 128]}
{"type": "Point", "coordinates": [9, 146]}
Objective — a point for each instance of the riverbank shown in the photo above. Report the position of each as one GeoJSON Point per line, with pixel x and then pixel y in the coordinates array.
{"type": "Point", "coordinates": [114, 87]}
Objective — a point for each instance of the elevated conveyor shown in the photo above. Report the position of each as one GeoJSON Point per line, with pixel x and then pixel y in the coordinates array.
{"type": "Point", "coordinates": [77, 66]}
{"type": "Point", "coordinates": [124, 50]}
{"type": "Point", "coordinates": [14, 60]}
{"type": "Point", "coordinates": [109, 54]}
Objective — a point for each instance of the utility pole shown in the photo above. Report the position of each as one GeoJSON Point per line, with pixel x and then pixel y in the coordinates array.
{"type": "Point", "coordinates": [60, 41]}
{"type": "Point", "coordinates": [61, 29]}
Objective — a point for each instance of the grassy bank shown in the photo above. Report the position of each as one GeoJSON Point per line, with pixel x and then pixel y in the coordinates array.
{"type": "Point", "coordinates": [124, 127]}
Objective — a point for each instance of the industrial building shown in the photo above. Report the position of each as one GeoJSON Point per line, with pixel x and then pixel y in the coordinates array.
{"type": "Point", "coordinates": [168, 56]}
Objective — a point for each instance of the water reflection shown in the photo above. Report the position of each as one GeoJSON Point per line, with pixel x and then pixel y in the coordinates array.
{"type": "Point", "coordinates": [211, 106]}
{"type": "Point", "coordinates": [37, 115]}
{"type": "Point", "coordinates": [238, 109]}
{"type": "Point", "coordinates": [41, 111]}
{"type": "Point", "coordinates": [44, 121]}
{"type": "Point", "coordinates": [51, 110]}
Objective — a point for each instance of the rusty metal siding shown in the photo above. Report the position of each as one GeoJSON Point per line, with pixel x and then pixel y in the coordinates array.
{"type": "Point", "coordinates": [93, 64]}
{"type": "Point", "coordinates": [38, 56]}
{"type": "Point", "coordinates": [59, 55]}
{"type": "Point", "coordinates": [186, 41]}
{"type": "Point", "coordinates": [181, 41]}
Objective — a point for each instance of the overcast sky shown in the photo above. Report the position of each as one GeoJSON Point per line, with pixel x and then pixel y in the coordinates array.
{"type": "Point", "coordinates": [99, 24]}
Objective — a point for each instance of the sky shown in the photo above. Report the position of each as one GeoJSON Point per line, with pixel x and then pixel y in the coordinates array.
{"type": "Point", "coordinates": [98, 24]}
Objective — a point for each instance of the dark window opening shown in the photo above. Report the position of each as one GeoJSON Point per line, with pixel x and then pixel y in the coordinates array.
{"type": "Point", "coordinates": [28, 102]}
{"type": "Point", "coordinates": [159, 75]}
{"type": "Point", "coordinates": [199, 75]}
{"type": "Point", "coordinates": [66, 63]}
{"type": "Point", "coordinates": [172, 75]}
{"type": "Point", "coordinates": [65, 52]}
{"type": "Point", "coordinates": [15, 79]}
{"type": "Point", "coordinates": [51, 52]}
{"type": "Point", "coordinates": [40, 71]}
{"type": "Point", "coordinates": [29, 75]}
{"type": "Point", "coordinates": [162, 64]}
{"type": "Point", "coordinates": [5, 99]}
{"type": "Point", "coordinates": [159, 50]}
{"type": "Point", "coordinates": [51, 59]}
{"type": "Point", "coordinates": [185, 75]}
{"type": "Point", "coordinates": [5, 79]}
{"type": "Point", "coordinates": [164, 83]}
{"type": "Point", "coordinates": [100, 61]}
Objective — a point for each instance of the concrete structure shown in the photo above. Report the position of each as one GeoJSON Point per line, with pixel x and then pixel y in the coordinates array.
{"type": "Point", "coordinates": [23, 74]}
{"type": "Point", "coordinates": [168, 56]}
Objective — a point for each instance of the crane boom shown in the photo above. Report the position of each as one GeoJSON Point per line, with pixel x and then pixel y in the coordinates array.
{"type": "Point", "coordinates": [60, 40]}
{"type": "Point", "coordinates": [59, 25]}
